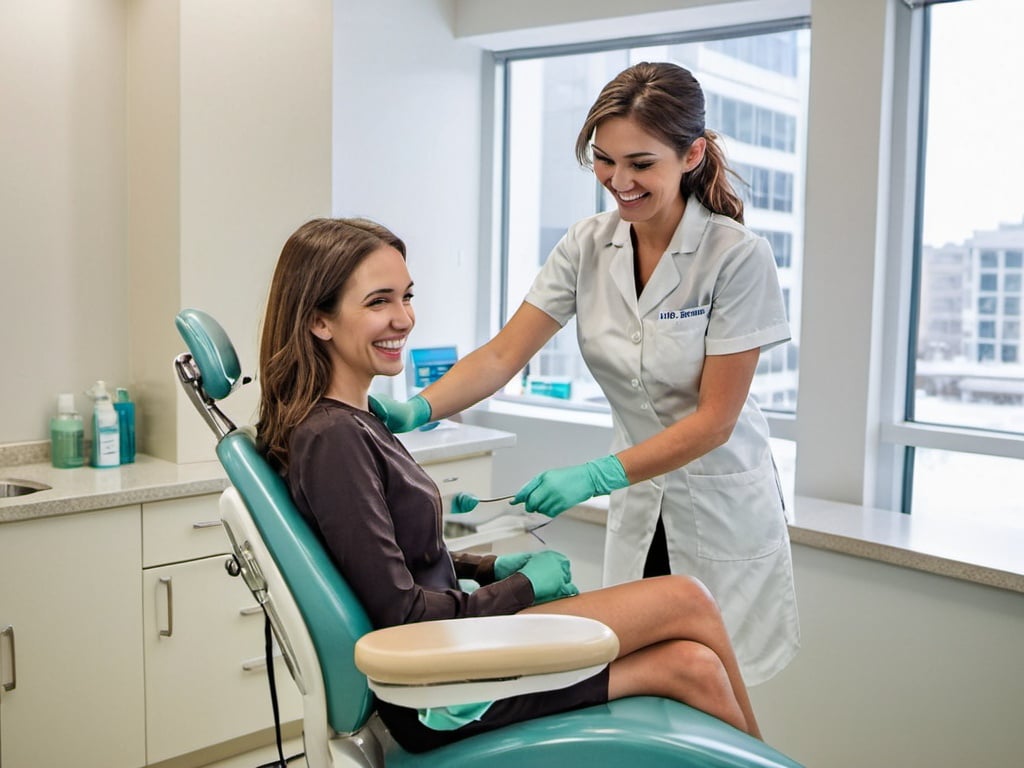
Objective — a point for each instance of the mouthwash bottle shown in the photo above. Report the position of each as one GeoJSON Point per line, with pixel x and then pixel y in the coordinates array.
{"type": "Point", "coordinates": [67, 435]}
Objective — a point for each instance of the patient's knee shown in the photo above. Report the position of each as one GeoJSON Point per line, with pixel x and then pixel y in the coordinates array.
{"type": "Point", "coordinates": [697, 664]}
{"type": "Point", "coordinates": [690, 594]}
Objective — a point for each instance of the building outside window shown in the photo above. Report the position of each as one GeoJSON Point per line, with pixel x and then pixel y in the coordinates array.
{"type": "Point", "coordinates": [968, 370]}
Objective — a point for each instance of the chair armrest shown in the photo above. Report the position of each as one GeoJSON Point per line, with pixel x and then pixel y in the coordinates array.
{"type": "Point", "coordinates": [455, 661]}
{"type": "Point", "coordinates": [483, 648]}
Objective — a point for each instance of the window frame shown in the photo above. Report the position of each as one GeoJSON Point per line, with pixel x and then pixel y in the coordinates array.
{"type": "Point", "coordinates": [780, 422]}
{"type": "Point", "coordinates": [899, 434]}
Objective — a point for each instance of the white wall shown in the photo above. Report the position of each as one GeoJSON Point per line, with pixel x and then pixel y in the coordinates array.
{"type": "Point", "coordinates": [897, 668]}
{"type": "Point", "coordinates": [154, 155]}
{"type": "Point", "coordinates": [63, 207]}
{"type": "Point", "coordinates": [407, 148]}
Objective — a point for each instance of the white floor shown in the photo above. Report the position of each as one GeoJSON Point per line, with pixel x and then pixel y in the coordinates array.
{"type": "Point", "coordinates": [263, 756]}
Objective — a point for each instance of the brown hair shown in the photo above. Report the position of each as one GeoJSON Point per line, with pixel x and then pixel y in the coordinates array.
{"type": "Point", "coordinates": [314, 266]}
{"type": "Point", "coordinates": [667, 102]}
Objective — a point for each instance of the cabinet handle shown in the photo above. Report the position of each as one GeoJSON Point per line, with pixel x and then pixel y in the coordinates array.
{"type": "Point", "coordinates": [207, 524]}
{"type": "Point", "coordinates": [449, 479]}
{"type": "Point", "coordinates": [166, 580]}
{"type": "Point", "coordinates": [8, 632]}
{"type": "Point", "coordinates": [251, 610]}
{"type": "Point", "coordinates": [261, 663]}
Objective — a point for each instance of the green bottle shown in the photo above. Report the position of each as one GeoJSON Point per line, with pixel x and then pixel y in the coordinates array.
{"type": "Point", "coordinates": [67, 435]}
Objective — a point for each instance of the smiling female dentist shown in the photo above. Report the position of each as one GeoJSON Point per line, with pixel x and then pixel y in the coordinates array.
{"type": "Point", "coordinates": [674, 300]}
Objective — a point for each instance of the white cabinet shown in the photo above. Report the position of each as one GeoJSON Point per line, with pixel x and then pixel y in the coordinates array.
{"type": "Point", "coordinates": [206, 677]}
{"type": "Point", "coordinates": [468, 475]}
{"type": "Point", "coordinates": [71, 667]}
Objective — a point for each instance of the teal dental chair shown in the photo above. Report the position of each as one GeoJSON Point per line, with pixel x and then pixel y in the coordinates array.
{"type": "Point", "coordinates": [339, 663]}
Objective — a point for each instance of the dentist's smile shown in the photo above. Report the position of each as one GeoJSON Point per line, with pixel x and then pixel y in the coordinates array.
{"type": "Point", "coordinates": [630, 199]}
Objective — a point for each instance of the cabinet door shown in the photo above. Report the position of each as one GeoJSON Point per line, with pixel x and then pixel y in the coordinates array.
{"type": "Point", "coordinates": [206, 679]}
{"type": "Point", "coordinates": [69, 589]}
{"type": "Point", "coordinates": [472, 475]}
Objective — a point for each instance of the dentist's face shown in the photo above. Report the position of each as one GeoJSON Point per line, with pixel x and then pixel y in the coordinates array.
{"type": "Point", "coordinates": [367, 333]}
{"type": "Point", "coordinates": [642, 173]}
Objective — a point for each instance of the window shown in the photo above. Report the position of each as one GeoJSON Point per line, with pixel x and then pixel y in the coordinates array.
{"type": "Point", "coordinates": [755, 89]}
{"type": "Point", "coordinates": [968, 382]}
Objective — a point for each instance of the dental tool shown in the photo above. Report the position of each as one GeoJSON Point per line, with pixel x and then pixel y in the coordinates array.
{"type": "Point", "coordinates": [467, 502]}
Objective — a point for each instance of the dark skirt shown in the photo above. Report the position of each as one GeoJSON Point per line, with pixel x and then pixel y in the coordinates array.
{"type": "Point", "coordinates": [413, 736]}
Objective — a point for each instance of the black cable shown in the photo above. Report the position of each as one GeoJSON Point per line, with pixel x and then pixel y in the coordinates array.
{"type": "Point", "coordinates": [268, 637]}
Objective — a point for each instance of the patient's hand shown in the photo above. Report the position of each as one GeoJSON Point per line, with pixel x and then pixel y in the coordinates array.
{"type": "Point", "coordinates": [550, 574]}
{"type": "Point", "coordinates": [506, 565]}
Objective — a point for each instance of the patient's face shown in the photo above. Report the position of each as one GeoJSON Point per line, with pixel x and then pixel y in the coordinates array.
{"type": "Point", "coordinates": [374, 319]}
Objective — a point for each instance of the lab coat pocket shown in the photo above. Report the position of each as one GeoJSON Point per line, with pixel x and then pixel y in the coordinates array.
{"type": "Point", "coordinates": [675, 355]}
{"type": "Point", "coordinates": [739, 516]}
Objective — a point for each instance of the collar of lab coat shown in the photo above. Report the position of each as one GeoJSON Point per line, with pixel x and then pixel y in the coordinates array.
{"type": "Point", "coordinates": [666, 275]}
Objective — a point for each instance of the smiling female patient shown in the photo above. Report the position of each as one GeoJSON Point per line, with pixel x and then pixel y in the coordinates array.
{"type": "Point", "coordinates": [338, 314]}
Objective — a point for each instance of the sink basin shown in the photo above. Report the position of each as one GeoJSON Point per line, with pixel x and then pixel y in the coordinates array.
{"type": "Point", "coordinates": [12, 487]}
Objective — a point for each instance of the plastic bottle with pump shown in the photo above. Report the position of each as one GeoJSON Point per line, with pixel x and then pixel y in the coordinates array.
{"type": "Point", "coordinates": [126, 420]}
{"type": "Point", "coordinates": [106, 442]}
{"type": "Point", "coordinates": [67, 437]}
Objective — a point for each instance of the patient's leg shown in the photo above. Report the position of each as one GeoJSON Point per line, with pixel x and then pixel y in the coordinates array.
{"type": "Point", "coordinates": [665, 621]}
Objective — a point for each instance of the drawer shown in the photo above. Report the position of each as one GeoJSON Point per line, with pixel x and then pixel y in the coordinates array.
{"type": "Point", "coordinates": [177, 530]}
{"type": "Point", "coordinates": [471, 475]}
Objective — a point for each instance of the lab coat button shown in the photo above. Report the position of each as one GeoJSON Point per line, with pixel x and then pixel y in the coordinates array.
{"type": "Point", "coordinates": [637, 337]}
{"type": "Point", "coordinates": [635, 383]}
{"type": "Point", "coordinates": [643, 406]}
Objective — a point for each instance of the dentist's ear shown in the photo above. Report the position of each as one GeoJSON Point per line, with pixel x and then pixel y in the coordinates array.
{"type": "Point", "coordinates": [319, 328]}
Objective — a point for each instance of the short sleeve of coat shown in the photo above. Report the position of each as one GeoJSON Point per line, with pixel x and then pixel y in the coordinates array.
{"type": "Point", "coordinates": [747, 309]}
{"type": "Point", "coordinates": [554, 289]}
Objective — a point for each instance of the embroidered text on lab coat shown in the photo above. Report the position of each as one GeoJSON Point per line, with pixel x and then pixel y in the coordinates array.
{"type": "Point", "coordinates": [682, 314]}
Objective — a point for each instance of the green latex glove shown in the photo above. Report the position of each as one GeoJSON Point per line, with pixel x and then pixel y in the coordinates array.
{"type": "Point", "coordinates": [464, 502]}
{"type": "Point", "coordinates": [455, 716]}
{"type": "Point", "coordinates": [398, 416]}
{"type": "Point", "coordinates": [506, 565]}
{"type": "Point", "coordinates": [550, 575]}
{"type": "Point", "coordinates": [556, 490]}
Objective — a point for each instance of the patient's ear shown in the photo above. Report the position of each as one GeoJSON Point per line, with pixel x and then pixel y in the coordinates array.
{"type": "Point", "coordinates": [319, 328]}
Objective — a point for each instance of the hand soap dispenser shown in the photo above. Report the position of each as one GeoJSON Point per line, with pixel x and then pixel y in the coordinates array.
{"type": "Point", "coordinates": [106, 443]}
{"type": "Point", "coordinates": [67, 437]}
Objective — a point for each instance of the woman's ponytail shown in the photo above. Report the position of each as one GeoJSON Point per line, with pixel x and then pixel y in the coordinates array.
{"type": "Point", "coordinates": [709, 182]}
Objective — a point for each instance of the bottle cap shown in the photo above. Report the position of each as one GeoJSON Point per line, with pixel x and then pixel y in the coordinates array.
{"type": "Point", "coordinates": [121, 395]}
{"type": "Point", "coordinates": [98, 391]}
{"type": "Point", "coordinates": [65, 403]}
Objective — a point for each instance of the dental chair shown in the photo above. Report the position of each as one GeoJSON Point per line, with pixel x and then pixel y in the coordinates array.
{"type": "Point", "coordinates": [339, 663]}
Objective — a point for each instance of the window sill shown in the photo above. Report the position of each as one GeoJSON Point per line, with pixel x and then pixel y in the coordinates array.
{"type": "Point", "coordinates": [965, 550]}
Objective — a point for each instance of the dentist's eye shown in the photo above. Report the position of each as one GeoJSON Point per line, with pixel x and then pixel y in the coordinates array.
{"type": "Point", "coordinates": [642, 166]}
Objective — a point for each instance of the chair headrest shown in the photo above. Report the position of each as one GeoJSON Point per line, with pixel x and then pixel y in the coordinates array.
{"type": "Point", "coordinates": [212, 352]}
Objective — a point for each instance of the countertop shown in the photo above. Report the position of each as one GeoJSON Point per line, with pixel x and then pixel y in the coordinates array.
{"type": "Point", "coordinates": [151, 479]}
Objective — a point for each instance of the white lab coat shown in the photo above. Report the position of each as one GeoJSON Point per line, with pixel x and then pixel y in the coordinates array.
{"type": "Point", "coordinates": [715, 291]}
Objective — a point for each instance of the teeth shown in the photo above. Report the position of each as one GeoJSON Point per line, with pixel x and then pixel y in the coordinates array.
{"type": "Point", "coordinates": [630, 198]}
{"type": "Point", "coordinates": [390, 343]}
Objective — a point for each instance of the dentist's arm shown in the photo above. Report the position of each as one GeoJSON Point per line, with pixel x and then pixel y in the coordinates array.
{"type": "Point", "coordinates": [476, 376]}
{"type": "Point", "coordinates": [724, 386]}
{"type": "Point", "coordinates": [725, 383]}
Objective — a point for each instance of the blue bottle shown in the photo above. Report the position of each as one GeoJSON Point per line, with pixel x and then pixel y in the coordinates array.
{"type": "Point", "coordinates": [126, 420]}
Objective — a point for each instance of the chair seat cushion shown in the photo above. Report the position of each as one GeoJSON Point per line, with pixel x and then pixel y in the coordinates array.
{"type": "Point", "coordinates": [641, 731]}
